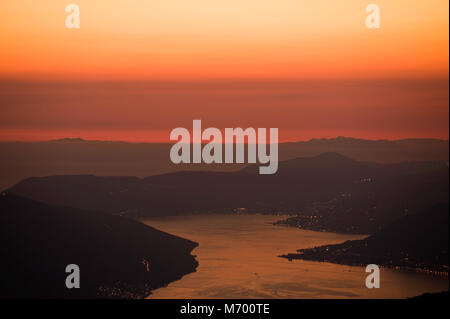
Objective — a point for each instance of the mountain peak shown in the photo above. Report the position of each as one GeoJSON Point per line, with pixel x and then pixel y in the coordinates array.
{"type": "Point", "coordinates": [69, 140]}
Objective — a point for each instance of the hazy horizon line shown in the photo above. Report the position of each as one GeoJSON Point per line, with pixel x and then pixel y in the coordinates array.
{"type": "Point", "coordinates": [81, 139]}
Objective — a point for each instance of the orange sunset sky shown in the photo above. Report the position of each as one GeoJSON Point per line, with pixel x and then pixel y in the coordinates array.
{"type": "Point", "coordinates": [137, 69]}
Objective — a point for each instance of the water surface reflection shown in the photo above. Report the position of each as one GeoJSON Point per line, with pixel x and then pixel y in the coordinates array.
{"type": "Point", "coordinates": [237, 257]}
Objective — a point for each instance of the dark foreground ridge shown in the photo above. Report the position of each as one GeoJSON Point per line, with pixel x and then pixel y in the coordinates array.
{"type": "Point", "coordinates": [118, 257]}
{"type": "Point", "coordinates": [417, 241]}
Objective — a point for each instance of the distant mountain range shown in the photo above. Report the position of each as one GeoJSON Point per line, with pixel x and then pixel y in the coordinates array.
{"type": "Point", "coordinates": [328, 192]}
{"type": "Point", "coordinates": [382, 188]}
{"type": "Point", "coordinates": [118, 257]}
{"type": "Point", "coordinates": [417, 241]}
{"type": "Point", "coordinates": [19, 160]}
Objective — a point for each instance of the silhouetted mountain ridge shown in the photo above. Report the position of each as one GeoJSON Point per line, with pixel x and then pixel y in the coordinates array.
{"type": "Point", "coordinates": [418, 241]}
{"type": "Point", "coordinates": [75, 156]}
{"type": "Point", "coordinates": [355, 196]}
{"type": "Point", "coordinates": [118, 257]}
